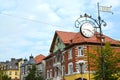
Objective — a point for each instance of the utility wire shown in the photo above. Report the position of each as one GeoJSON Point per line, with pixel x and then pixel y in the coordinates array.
{"type": "Point", "coordinates": [37, 21]}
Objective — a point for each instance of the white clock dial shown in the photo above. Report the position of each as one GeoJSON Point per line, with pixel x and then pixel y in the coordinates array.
{"type": "Point", "coordinates": [87, 30]}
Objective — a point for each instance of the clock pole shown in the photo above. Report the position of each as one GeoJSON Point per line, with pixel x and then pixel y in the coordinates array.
{"type": "Point", "coordinates": [102, 55]}
{"type": "Point", "coordinates": [97, 23]}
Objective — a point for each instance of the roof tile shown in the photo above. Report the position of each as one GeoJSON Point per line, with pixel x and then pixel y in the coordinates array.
{"type": "Point", "coordinates": [67, 37]}
{"type": "Point", "coordinates": [39, 58]}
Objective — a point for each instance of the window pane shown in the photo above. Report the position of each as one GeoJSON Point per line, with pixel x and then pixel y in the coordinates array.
{"type": "Point", "coordinates": [70, 68]}
{"type": "Point", "coordinates": [80, 51]}
{"type": "Point", "coordinates": [15, 73]}
{"type": "Point", "coordinates": [70, 54]}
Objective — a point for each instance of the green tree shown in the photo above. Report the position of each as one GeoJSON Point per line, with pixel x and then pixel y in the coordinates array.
{"type": "Point", "coordinates": [34, 74]}
{"type": "Point", "coordinates": [1, 74]}
{"type": "Point", "coordinates": [111, 60]}
{"type": "Point", "coordinates": [4, 76]}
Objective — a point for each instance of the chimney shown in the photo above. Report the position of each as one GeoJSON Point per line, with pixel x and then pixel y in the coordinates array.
{"type": "Point", "coordinates": [25, 60]}
{"type": "Point", "coordinates": [31, 57]}
{"type": "Point", "coordinates": [7, 61]}
{"type": "Point", "coordinates": [12, 59]}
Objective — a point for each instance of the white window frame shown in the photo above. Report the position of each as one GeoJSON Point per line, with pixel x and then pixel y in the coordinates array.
{"type": "Point", "coordinates": [63, 56]}
{"type": "Point", "coordinates": [47, 74]}
{"type": "Point", "coordinates": [50, 73]}
{"type": "Point", "coordinates": [10, 67]}
{"type": "Point", "coordinates": [70, 68]}
{"type": "Point", "coordinates": [80, 51]}
{"type": "Point", "coordinates": [55, 73]}
{"type": "Point", "coordinates": [63, 70]}
{"type": "Point", "coordinates": [70, 54]}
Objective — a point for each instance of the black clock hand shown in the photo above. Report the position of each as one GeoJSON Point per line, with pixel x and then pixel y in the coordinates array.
{"type": "Point", "coordinates": [89, 31]}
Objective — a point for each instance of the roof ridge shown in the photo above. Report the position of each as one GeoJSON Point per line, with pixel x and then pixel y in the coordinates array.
{"type": "Point", "coordinates": [65, 31]}
{"type": "Point", "coordinates": [39, 55]}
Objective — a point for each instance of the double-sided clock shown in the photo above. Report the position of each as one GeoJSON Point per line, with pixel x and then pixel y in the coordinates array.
{"type": "Point", "coordinates": [87, 30]}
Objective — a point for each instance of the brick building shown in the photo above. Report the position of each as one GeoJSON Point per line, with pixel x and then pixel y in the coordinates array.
{"type": "Point", "coordinates": [68, 51]}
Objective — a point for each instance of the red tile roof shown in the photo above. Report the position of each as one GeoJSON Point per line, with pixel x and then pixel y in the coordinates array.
{"type": "Point", "coordinates": [39, 58]}
{"type": "Point", "coordinates": [67, 37]}
{"type": "Point", "coordinates": [77, 37]}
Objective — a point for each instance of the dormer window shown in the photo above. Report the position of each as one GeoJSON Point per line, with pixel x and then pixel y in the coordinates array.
{"type": "Point", "coordinates": [103, 39]}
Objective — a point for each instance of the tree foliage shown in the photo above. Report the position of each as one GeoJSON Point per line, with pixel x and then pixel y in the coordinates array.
{"type": "Point", "coordinates": [111, 60]}
{"type": "Point", "coordinates": [1, 74]}
{"type": "Point", "coordinates": [34, 74]}
{"type": "Point", "coordinates": [4, 76]}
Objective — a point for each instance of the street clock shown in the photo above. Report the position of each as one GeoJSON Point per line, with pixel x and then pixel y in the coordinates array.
{"type": "Point", "coordinates": [87, 30]}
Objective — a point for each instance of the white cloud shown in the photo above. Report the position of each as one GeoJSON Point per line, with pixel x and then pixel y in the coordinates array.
{"type": "Point", "coordinates": [31, 17]}
{"type": "Point", "coordinates": [7, 4]}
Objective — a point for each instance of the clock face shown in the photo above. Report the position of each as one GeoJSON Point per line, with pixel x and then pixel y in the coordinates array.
{"type": "Point", "coordinates": [87, 30]}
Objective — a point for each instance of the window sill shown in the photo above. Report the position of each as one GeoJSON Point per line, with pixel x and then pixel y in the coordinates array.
{"type": "Point", "coordinates": [80, 56]}
{"type": "Point", "coordinates": [69, 74]}
{"type": "Point", "coordinates": [69, 58]}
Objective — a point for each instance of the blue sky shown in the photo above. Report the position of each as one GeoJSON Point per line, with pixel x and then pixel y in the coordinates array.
{"type": "Point", "coordinates": [28, 26]}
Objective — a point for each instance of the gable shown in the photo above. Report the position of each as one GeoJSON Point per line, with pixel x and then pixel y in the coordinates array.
{"type": "Point", "coordinates": [58, 45]}
{"type": "Point", "coordinates": [39, 58]}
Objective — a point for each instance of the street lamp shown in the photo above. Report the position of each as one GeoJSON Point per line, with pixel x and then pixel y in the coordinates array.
{"type": "Point", "coordinates": [81, 66]}
{"type": "Point", "coordinates": [88, 27]}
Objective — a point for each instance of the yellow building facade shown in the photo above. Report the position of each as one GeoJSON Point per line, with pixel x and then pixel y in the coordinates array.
{"type": "Point", "coordinates": [14, 74]}
{"type": "Point", "coordinates": [76, 76]}
{"type": "Point", "coordinates": [12, 68]}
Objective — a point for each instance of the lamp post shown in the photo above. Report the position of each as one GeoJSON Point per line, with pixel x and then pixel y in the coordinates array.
{"type": "Point", "coordinates": [81, 68]}
{"type": "Point", "coordinates": [87, 21]}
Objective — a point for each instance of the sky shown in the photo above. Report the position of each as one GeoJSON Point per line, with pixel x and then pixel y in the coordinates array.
{"type": "Point", "coordinates": [27, 27]}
